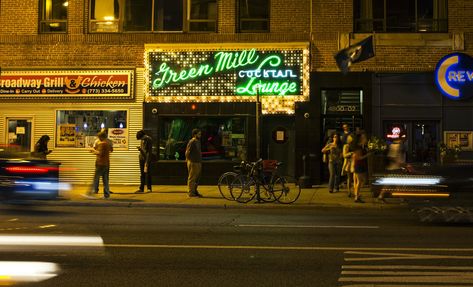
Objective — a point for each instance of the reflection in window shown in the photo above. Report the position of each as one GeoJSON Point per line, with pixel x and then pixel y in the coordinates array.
{"type": "Point", "coordinates": [253, 15]}
{"type": "Point", "coordinates": [104, 15]}
{"type": "Point", "coordinates": [400, 16]}
{"type": "Point", "coordinates": [53, 16]}
{"type": "Point", "coordinates": [78, 128]}
{"type": "Point", "coordinates": [223, 138]}
{"type": "Point", "coordinates": [203, 15]}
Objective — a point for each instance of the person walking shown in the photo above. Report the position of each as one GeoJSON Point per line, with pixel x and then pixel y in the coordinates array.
{"type": "Point", "coordinates": [145, 149]}
{"type": "Point", "coordinates": [102, 164]}
{"type": "Point", "coordinates": [334, 151]}
{"type": "Point", "coordinates": [360, 158]}
{"type": "Point", "coordinates": [41, 147]}
{"type": "Point", "coordinates": [194, 163]}
{"type": "Point", "coordinates": [348, 167]}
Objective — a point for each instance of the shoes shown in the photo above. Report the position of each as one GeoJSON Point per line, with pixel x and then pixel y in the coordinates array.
{"type": "Point", "coordinates": [331, 191]}
{"type": "Point", "coordinates": [110, 192]}
{"type": "Point", "coordinates": [195, 194]}
{"type": "Point", "coordinates": [139, 191]}
{"type": "Point", "coordinates": [350, 195]}
{"type": "Point", "coordinates": [149, 191]}
{"type": "Point", "coordinates": [359, 200]}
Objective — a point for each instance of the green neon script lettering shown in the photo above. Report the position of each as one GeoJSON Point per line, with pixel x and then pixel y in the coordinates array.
{"type": "Point", "coordinates": [169, 75]}
{"type": "Point", "coordinates": [268, 88]}
{"type": "Point", "coordinates": [233, 60]}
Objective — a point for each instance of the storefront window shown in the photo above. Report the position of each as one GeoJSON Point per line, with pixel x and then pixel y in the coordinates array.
{"type": "Point", "coordinates": [223, 138]}
{"type": "Point", "coordinates": [79, 128]}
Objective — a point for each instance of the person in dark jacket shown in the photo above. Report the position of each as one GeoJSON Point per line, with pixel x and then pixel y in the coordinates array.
{"type": "Point", "coordinates": [194, 162]}
{"type": "Point", "coordinates": [41, 147]}
{"type": "Point", "coordinates": [145, 148]}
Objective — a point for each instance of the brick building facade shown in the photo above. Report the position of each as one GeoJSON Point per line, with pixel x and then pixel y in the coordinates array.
{"type": "Point", "coordinates": [402, 61]}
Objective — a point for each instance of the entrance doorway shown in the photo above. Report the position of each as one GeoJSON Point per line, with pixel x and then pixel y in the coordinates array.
{"type": "Point", "coordinates": [279, 142]}
{"type": "Point", "coordinates": [421, 138]}
{"type": "Point", "coordinates": [19, 134]}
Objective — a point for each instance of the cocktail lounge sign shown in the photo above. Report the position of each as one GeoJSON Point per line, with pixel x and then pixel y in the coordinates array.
{"type": "Point", "coordinates": [36, 84]}
{"type": "Point", "coordinates": [240, 72]}
{"type": "Point", "coordinates": [454, 76]}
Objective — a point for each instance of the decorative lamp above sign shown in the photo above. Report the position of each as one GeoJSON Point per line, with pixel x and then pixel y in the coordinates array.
{"type": "Point", "coordinates": [454, 76]}
{"type": "Point", "coordinates": [206, 73]}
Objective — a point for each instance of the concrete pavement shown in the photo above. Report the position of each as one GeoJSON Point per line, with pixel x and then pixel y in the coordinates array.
{"type": "Point", "coordinates": [176, 196]}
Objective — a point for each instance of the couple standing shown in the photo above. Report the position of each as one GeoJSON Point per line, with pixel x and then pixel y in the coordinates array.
{"type": "Point", "coordinates": [353, 155]}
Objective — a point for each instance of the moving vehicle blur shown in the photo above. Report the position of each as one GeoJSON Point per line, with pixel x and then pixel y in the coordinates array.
{"type": "Point", "coordinates": [436, 192]}
{"type": "Point", "coordinates": [24, 176]}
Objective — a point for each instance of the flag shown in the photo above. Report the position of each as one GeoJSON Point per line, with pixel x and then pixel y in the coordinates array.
{"type": "Point", "coordinates": [358, 52]}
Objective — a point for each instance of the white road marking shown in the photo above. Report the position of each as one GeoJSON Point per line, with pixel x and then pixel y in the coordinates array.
{"type": "Point", "coordinates": [400, 256]}
{"type": "Point", "coordinates": [464, 279]}
{"type": "Point", "coordinates": [262, 247]}
{"type": "Point", "coordinates": [308, 226]}
{"type": "Point", "coordinates": [397, 285]}
{"type": "Point", "coordinates": [395, 267]}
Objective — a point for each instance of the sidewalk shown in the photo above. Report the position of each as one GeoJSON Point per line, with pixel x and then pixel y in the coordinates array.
{"type": "Point", "coordinates": [176, 196]}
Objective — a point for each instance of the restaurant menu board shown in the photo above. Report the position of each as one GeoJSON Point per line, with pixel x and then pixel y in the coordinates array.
{"type": "Point", "coordinates": [119, 137]}
{"type": "Point", "coordinates": [66, 135]}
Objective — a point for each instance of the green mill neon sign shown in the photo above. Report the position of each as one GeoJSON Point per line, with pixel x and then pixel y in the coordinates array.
{"type": "Point", "coordinates": [227, 73]}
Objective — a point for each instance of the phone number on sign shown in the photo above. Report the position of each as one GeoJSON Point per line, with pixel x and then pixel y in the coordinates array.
{"type": "Point", "coordinates": [105, 91]}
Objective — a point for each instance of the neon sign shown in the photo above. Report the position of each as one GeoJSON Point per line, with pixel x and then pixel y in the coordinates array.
{"type": "Point", "coordinates": [225, 73]}
{"type": "Point", "coordinates": [454, 76]}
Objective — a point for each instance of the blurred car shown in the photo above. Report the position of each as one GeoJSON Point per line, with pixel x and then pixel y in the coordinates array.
{"type": "Point", "coordinates": [435, 192]}
{"type": "Point", "coordinates": [23, 176]}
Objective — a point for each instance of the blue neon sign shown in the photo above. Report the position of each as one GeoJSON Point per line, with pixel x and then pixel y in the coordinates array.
{"type": "Point", "coordinates": [454, 76]}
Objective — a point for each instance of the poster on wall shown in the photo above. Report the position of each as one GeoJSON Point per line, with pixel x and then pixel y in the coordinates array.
{"type": "Point", "coordinates": [66, 135]}
{"type": "Point", "coordinates": [119, 137]}
{"type": "Point", "coordinates": [464, 139]}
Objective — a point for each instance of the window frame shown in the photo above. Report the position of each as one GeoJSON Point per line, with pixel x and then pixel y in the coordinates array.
{"type": "Point", "coordinates": [241, 20]}
{"type": "Point", "coordinates": [438, 25]}
{"type": "Point", "coordinates": [42, 22]}
{"type": "Point", "coordinates": [186, 20]}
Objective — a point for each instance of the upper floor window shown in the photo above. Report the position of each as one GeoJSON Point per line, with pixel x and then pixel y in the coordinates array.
{"type": "Point", "coordinates": [401, 16]}
{"type": "Point", "coordinates": [153, 15]}
{"type": "Point", "coordinates": [253, 15]}
{"type": "Point", "coordinates": [53, 16]}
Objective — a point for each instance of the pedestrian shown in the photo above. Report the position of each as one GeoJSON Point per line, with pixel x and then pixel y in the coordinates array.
{"type": "Point", "coordinates": [345, 133]}
{"type": "Point", "coordinates": [194, 163]}
{"type": "Point", "coordinates": [41, 147]}
{"type": "Point", "coordinates": [145, 148]}
{"type": "Point", "coordinates": [110, 143]}
{"type": "Point", "coordinates": [360, 158]}
{"type": "Point", "coordinates": [334, 151]}
{"type": "Point", "coordinates": [348, 166]}
{"type": "Point", "coordinates": [102, 164]}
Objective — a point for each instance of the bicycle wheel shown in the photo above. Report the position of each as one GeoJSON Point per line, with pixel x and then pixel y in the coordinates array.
{"type": "Point", "coordinates": [266, 190]}
{"type": "Point", "coordinates": [243, 189]}
{"type": "Point", "coordinates": [225, 184]}
{"type": "Point", "coordinates": [286, 190]}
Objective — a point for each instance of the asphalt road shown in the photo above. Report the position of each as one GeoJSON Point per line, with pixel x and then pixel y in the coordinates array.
{"type": "Point", "coordinates": [239, 247]}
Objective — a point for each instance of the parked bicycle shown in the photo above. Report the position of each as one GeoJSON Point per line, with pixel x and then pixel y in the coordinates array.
{"type": "Point", "coordinates": [258, 179]}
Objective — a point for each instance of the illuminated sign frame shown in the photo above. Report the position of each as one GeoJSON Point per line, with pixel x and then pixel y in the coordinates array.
{"type": "Point", "coordinates": [279, 73]}
{"type": "Point", "coordinates": [454, 76]}
{"type": "Point", "coordinates": [67, 84]}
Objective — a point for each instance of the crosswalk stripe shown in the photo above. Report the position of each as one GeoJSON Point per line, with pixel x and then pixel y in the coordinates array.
{"type": "Point", "coordinates": [419, 267]}
{"type": "Point", "coordinates": [467, 278]}
{"type": "Point", "coordinates": [403, 273]}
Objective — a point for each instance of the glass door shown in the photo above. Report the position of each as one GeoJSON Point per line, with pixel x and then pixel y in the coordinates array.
{"type": "Point", "coordinates": [19, 135]}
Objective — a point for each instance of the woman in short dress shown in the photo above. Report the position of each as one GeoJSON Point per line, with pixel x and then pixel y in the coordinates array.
{"type": "Point", "coordinates": [360, 158]}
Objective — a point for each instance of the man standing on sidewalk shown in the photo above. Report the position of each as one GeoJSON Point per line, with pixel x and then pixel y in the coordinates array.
{"type": "Point", "coordinates": [102, 164]}
{"type": "Point", "coordinates": [145, 149]}
{"type": "Point", "coordinates": [194, 163]}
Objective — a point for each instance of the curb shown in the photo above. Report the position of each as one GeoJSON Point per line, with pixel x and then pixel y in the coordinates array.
{"type": "Point", "coordinates": [250, 205]}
